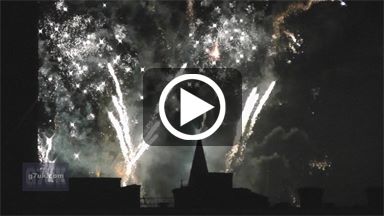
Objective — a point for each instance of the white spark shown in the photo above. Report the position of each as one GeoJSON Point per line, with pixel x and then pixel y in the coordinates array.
{"type": "Point", "coordinates": [76, 156]}
{"type": "Point", "coordinates": [342, 3]}
{"type": "Point", "coordinates": [91, 116]}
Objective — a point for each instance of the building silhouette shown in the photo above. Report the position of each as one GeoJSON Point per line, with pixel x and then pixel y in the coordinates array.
{"type": "Point", "coordinates": [99, 193]}
{"type": "Point", "coordinates": [212, 190]}
{"type": "Point", "coordinates": [311, 197]}
{"type": "Point", "coordinates": [374, 197]}
{"type": "Point", "coordinates": [206, 193]}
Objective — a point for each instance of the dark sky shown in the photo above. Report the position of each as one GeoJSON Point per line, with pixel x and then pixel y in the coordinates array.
{"type": "Point", "coordinates": [343, 58]}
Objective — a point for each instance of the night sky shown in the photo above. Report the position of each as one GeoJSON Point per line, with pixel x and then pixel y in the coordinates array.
{"type": "Point", "coordinates": [321, 125]}
{"type": "Point", "coordinates": [343, 58]}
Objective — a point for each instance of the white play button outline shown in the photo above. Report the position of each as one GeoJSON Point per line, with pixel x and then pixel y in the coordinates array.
{"type": "Point", "coordinates": [168, 89]}
{"type": "Point", "coordinates": [191, 107]}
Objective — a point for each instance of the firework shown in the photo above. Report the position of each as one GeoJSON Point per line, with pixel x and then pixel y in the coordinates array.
{"type": "Point", "coordinates": [91, 73]}
{"type": "Point", "coordinates": [321, 165]}
{"type": "Point", "coordinates": [236, 154]}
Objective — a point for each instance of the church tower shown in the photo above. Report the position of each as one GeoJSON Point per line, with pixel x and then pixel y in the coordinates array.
{"type": "Point", "coordinates": [199, 170]}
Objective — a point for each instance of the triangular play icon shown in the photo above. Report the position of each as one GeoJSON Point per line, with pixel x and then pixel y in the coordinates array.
{"type": "Point", "coordinates": [191, 107]}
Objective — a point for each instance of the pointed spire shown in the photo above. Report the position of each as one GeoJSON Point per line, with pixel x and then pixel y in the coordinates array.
{"type": "Point", "coordinates": [199, 166]}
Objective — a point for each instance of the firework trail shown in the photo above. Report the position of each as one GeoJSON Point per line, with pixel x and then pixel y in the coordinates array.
{"type": "Point", "coordinates": [130, 152]}
{"type": "Point", "coordinates": [120, 108]}
{"type": "Point", "coordinates": [263, 99]}
{"type": "Point", "coordinates": [236, 154]}
{"type": "Point", "coordinates": [44, 150]}
{"type": "Point", "coordinates": [190, 16]}
{"type": "Point", "coordinates": [248, 107]}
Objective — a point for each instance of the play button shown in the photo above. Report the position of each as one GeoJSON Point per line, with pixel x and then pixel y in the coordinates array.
{"type": "Point", "coordinates": [191, 107]}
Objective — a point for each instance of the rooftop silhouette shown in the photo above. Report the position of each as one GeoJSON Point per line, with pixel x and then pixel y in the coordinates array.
{"type": "Point", "coordinates": [207, 190]}
{"type": "Point", "coordinates": [206, 193]}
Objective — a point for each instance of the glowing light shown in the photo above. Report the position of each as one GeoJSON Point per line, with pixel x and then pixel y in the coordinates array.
{"type": "Point", "coordinates": [215, 53]}
{"type": "Point", "coordinates": [320, 165]}
{"type": "Point", "coordinates": [76, 156]}
{"type": "Point", "coordinates": [98, 173]}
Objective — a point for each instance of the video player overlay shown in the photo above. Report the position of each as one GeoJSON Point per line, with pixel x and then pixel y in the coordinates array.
{"type": "Point", "coordinates": [192, 106]}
